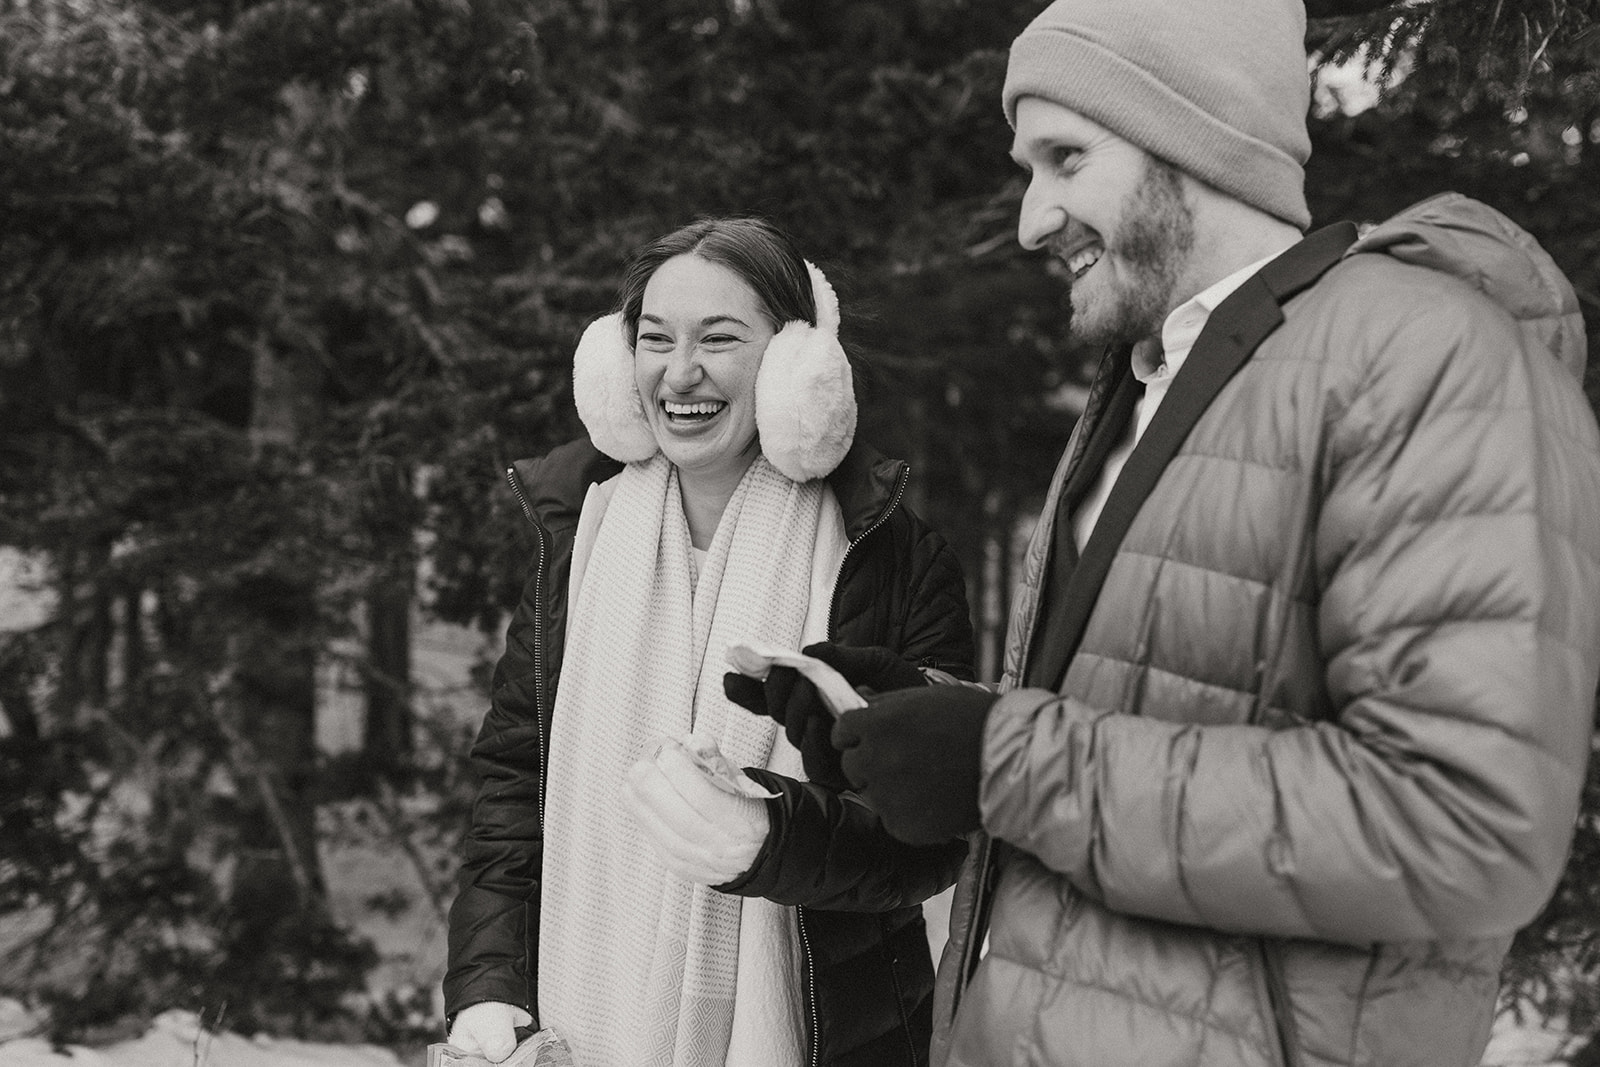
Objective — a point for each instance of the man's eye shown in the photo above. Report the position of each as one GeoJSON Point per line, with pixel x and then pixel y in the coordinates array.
{"type": "Point", "coordinates": [1065, 158]}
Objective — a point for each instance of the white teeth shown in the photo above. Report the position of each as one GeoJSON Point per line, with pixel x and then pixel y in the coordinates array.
{"type": "Point", "coordinates": [1084, 260]}
{"type": "Point", "coordinates": [704, 407]}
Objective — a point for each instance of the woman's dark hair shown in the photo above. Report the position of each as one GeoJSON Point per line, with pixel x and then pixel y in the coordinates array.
{"type": "Point", "coordinates": [754, 249]}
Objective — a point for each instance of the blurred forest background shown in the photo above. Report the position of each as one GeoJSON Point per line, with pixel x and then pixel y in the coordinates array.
{"type": "Point", "coordinates": [286, 284]}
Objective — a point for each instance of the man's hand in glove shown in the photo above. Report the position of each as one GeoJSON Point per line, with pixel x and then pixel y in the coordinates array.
{"type": "Point", "coordinates": [798, 707]}
{"type": "Point", "coordinates": [916, 757]}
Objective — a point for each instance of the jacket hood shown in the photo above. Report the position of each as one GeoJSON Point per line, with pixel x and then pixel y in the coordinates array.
{"type": "Point", "coordinates": [1477, 244]}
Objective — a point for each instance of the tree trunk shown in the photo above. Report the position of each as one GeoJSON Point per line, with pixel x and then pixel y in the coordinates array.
{"type": "Point", "coordinates": [18, 717]}
{"type": "Point", "coordinates": [275, 745]}
{"type": "Point", "coordinates": [275, 671]}
{"type": "Point", "coordinates": [387, 739]}
{"type": "Point", "coordinates": [994, 586]}
{"type": "Point", "coordinates": [87, 617]}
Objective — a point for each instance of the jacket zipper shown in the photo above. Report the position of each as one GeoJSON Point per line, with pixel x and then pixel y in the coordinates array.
{"type": "Point", "coordinates": [811, 983]}
{"type": "Point", "coordinates": [894, 502]}
{"type": "Point", "coordinates": [899, 995]}
{"type": "Point", "coordinates": [538, 632]}
{"type": "Point", "coordinates": [799, 912]}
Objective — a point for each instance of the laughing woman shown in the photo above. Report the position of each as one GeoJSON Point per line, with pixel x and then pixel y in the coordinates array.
{"type": "Point", "coordinates": [609, 891]}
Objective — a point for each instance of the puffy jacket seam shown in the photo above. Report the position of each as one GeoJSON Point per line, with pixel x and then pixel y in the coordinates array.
{"type": "Point", "coordinates": [1371, 438]}
{"type": "Point", "coordinates": [1521, 740]}
{"type": "Point", "coordinates": [1544, 424]}
{"type": "Point", "coordinates": [1294, 470]}
{"type": "Point", "coordinates": [1273, 584]}
{"type": "Point", "coordinates": [1164, 672]}
{"type": "Point", "coordinates": [1269, 352]}
{"type": "Point", "coordinates": [1559, 431]}
{"type": "Point", "coordinates": [1175, 561]}
{"type": "Point", "coordinates": [1403, 523]}
{"type": "Point", "coordinates": [514, 900]}
{"type": "Point", "coordinates": [507, 680]}
{"type": "Point", "coordinates": [1162, 1009]}
{"type": "Point", "coordinates": [1531, 616]}
{"type": "Point", "coordinates": [512, 730]}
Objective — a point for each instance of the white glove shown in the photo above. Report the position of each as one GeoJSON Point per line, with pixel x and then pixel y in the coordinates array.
{"type": "Point", "coordinates": [702, 834]}
{"type": "Point", "coordinates": [488, 1029]}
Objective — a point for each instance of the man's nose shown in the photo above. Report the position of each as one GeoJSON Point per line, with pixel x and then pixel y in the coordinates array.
{"type": "Point", "coordinates": [1039, 220]}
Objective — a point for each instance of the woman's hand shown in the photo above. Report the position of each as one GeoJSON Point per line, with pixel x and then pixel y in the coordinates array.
{"type": "Point", "coordinates": [488, 1029]}
{"type": "Point", "coordinates": [702, 834]}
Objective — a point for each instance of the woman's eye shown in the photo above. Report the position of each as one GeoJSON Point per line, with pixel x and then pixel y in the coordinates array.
{"type": "Point", "coordinates": [720, 339]}
{"type": "Point", "coordinates": [655, 340]}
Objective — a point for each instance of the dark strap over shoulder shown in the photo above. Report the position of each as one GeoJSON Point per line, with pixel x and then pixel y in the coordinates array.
{"type": "Point", "coordinates": [1232, 333]}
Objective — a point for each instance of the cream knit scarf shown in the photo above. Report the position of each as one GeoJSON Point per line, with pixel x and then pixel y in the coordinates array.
{"type": "Point", "coordinates": [636, 967]}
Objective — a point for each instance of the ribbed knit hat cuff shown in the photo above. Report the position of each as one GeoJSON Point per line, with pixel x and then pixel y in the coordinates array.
{"type": "Point", "coordinates": [1079, 74]}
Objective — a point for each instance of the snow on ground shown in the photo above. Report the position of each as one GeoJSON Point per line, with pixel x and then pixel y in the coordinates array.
{"type": "Point", "coordinates": [176, 1040]}
{"type": "Point", "coordinates": [1525, 1046]}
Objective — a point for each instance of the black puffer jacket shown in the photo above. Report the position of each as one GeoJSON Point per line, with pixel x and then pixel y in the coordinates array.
{"type": "Point", "coordinates": [857, 891]}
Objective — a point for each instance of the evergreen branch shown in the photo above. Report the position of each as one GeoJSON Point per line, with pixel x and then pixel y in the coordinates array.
{"type": "Point", "coordinates": [389, 808]}
{"type": "Point", "coordinates": [245, 761]}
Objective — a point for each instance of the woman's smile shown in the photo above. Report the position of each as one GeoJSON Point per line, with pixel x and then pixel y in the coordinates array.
{"type": "Point", "coordinates": [692, 416]}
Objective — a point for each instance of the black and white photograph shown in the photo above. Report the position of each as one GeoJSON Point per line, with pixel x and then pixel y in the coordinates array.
{"type": "Point", "coordinates": [799, 533]}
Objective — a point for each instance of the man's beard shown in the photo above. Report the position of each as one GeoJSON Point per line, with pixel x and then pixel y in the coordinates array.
{"type": "Point", "coordinates": [1152, 248]}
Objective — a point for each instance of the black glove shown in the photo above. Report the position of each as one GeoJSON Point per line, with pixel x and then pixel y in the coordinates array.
{"type": "Point", "coordinates": [797, 706]}
{"type": "Point", "coordinates": [915, 756]}
{"type": "Point", "coordinates": [868, 666]}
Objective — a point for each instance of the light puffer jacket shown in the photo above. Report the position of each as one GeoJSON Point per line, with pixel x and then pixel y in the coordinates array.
{"type": "Point", "coordinates": [1318, 753]}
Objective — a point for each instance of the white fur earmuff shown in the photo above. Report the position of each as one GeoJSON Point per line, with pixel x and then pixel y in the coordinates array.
{"type": "Point", "coordinates": [805, 393]}
{"type": "Point", "coordinates": [606, 395]}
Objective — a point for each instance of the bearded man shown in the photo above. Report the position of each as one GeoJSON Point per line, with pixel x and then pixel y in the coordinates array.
{"type": "Point", "coordinates": [1300, 682]}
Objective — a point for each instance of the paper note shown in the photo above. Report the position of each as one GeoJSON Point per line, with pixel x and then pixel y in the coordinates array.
{"type": "Point", "coordinates": [717, 768]}
{"type": "Point", "coordinates": [542, 1049]}
{"type": "Point", "coordinates": [755, 660]}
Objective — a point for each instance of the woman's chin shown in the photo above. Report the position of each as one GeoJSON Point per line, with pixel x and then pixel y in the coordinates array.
{"type": "Point", "coordinates": [705, 451]}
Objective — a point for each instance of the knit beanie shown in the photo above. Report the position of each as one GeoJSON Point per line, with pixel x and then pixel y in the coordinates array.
{"type": "Point", "coordinates": [1217, 88]}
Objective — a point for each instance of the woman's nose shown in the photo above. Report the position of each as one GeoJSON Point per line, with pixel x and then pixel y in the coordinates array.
{"type": "Point", "coordinates": [1038, 220]}
{"type": "Point", "coordinates": [684, 371]}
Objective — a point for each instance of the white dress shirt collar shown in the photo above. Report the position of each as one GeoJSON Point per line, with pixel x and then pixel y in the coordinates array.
{"type": "Point", "coordinates": [1182, 328]}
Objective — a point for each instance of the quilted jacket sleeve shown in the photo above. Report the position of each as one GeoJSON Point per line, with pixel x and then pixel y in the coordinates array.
{"type": "Point", "coordinates": [938, 627]}
{"type": "Point", "coordinates": [1456, 550]}
{"type": "Point", "coordinates": [826, 849]}
{"type": "Point", "coordinates": [493, 929]}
